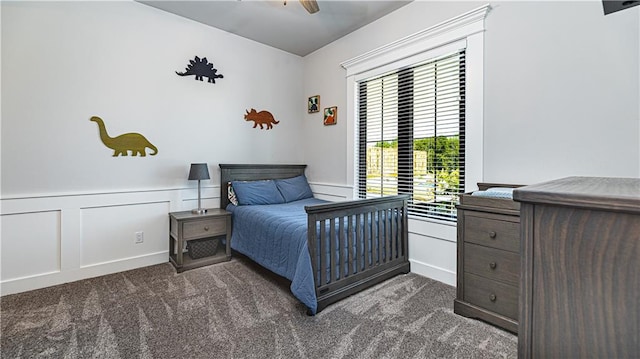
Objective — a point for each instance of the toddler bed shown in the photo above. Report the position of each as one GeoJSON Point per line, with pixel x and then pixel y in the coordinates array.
{"type": "Point", "coordinates": [328, 250]}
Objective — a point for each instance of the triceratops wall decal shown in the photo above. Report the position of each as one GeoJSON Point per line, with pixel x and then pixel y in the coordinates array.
{"type": "Point", "coordinates": [201, 68]}
{"type": "Point", "coordinates": [260, 118]}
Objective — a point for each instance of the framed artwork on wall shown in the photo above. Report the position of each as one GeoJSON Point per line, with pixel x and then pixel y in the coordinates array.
{"type": "Point", "coordinates": [330, 115]}
{"type": "Point", "coordinates": [313, 105]}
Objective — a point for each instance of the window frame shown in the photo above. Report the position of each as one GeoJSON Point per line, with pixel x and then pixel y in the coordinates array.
{"type": "Point", "coordinates": [465, 30]}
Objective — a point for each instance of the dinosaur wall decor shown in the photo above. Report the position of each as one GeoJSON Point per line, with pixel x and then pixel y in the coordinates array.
{"type": "Point", "coordinates": [199, 68]}
{"type": "Point", "coordinates": [261, 118]}
{"type": "Point", "coordinates": [134, 142]}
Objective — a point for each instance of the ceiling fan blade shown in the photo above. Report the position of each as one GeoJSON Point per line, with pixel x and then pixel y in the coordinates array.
{"type": "Point", "coordinates": [310, 5]}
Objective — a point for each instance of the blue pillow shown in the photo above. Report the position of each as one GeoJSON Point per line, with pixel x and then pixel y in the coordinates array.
{"type": "Point", "coordinates": [295, 188]}
{"type": "Point", "coordinates": [256, 192]}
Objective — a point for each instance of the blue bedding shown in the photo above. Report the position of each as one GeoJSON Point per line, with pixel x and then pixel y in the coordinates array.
{"type": "Point", "coordinates": [275, 236]}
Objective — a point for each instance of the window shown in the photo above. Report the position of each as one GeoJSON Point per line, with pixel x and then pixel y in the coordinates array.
{"type": "Point", "coordinates": [411, 135]}
{"type": "Point", "coordinates": [420, 98]}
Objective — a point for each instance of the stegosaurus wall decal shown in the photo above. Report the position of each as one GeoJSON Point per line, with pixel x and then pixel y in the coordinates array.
{"type": "Point", "coordinates": [201, 68]}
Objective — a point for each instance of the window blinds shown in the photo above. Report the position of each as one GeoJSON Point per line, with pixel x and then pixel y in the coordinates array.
{"type": "Point", "coordinates": [411, 135]}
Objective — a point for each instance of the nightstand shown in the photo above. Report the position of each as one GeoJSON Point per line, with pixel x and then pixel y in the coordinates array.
{"type": "Point", "coordinates": [185, 226]}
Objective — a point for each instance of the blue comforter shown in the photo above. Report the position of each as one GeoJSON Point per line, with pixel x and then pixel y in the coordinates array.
{"type": "Point", "coordinates": [275, 236]}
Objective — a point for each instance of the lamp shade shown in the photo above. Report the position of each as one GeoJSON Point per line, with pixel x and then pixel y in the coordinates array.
{"type": "Point", "coordinates": [199, 171]}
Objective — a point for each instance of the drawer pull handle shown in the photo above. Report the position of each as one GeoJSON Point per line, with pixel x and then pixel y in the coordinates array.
{"type": "Point", "coordinates": [492, 265]}
{"type": "Point", "coordinates": [492, 297]}
{"type": "Point", "coordinates": [206, 228]}
{"type": "Point", "coordinates": [492, 234]}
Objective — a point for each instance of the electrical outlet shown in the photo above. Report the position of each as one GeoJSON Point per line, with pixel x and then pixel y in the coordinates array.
{"type": "Point", "coordinates": [139, 237]}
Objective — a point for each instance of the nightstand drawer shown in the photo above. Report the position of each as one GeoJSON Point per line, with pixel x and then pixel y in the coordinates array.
{"type": "Point", "coordinates": [492, 233]}
{"type": "Point", "coordinates": [204, 228]}
{"type": "Point", "coordinates": [494, 264]}
{"type": "Point", "coordinates": [494, 296]}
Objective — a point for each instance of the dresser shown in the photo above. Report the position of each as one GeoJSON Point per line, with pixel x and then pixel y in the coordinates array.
{"type": "Point", "coordinates": [580, 275]}
{"type": "Point", "coordinates": [488, 265]}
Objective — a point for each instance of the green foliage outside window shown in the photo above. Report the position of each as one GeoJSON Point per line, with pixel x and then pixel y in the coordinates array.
{"type": "Point", "coordinates": [442, 151]}
{"type": "Point", "coordinates": [435, 172]}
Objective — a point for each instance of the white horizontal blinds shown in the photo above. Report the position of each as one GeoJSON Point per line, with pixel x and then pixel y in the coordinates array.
{"type": "Point", "coordinates": [438, 171]}
{"type": "Point", "coordinates": [411, 135]}
{"type": "Point", "coordinates": [379, 134]}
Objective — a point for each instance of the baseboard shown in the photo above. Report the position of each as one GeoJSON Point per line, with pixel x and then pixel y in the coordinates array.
{"type": "Point", "coordinates": [436, 273]}
{"type": "Point", "coordinates": [24, 284]}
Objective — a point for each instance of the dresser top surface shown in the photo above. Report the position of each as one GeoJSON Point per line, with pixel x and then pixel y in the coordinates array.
{"type": "Point", "coordinates": [587, 192]}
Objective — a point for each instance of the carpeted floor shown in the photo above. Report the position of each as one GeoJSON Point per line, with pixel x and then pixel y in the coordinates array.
{"type": "Point", "coordinates": [235, 310]}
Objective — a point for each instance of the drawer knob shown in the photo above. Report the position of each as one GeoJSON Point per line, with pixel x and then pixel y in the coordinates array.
{"type": "Point", "coordinates": [206, 228]}
{"type": "Point", "coordinates": [492, 234]}
{"type": "Point", "coordinates": [492, 265]}
{"type": "Point", "coordinates": [492, 297]}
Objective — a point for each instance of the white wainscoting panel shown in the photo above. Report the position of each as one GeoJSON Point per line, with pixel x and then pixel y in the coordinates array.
{"type": "Point", "coordinates": [108, 232]}
{"type": "Point", "coordinates": [331, 192]}
{"type": "Point", "coordinates": [50, 239]}
{"type": "Point", "coordinates": [432, 250]}
{"type": "Point", "coordinates": [208, 202]}
{"type": "Point", "coordinates": [35, 245]}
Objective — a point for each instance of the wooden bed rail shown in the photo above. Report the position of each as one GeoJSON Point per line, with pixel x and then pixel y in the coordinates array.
{"type": "Point", "coordinates": [356, 244]}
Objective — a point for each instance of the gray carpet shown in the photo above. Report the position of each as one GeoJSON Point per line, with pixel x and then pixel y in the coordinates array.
{"type": "Point", "coordinates": [235, 310]}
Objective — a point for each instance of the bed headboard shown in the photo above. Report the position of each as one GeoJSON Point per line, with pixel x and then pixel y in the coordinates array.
{"type": "Point", "coordinates": [247, 172]}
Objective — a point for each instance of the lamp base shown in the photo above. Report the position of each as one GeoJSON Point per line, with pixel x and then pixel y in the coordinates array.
{"type": "Point", "coordinates": [199, 211]}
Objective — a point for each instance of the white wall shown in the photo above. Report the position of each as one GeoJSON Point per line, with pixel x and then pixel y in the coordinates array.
{"type": "Point", "coordinates": [64, 62]}
{"type": "Point", "coordinates": [562, 92]}
{"type": "Point", "coordinates": [561, 98]}
{"type": "Point", "coordinates": [69, 209]}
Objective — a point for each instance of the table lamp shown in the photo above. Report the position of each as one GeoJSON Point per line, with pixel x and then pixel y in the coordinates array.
{"type": "Point", "coordinates": [199, 171]}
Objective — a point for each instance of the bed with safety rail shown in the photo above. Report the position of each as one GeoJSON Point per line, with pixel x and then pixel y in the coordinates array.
{"type": "Point", "coordinates": [328, 250]}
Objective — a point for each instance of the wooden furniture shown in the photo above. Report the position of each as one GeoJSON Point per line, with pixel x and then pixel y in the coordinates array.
{"type": "Point", "coordinates": [580, 295]}
{"type": "Point", "coordinates": [488, 259]}
{"type": "Point", "coordinates": [377, 226]}
{"type": "Point", "coordinates": [186, 226]}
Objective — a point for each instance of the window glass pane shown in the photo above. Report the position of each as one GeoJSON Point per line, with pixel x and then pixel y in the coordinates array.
{"type": "Point", "coordinates": [420, 110]}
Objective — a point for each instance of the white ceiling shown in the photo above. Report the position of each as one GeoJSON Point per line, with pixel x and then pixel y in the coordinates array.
{"type": "Point", "coordinates": [287, 27]}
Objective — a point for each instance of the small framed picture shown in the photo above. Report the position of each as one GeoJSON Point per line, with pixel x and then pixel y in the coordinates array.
{"type": "Point", "coordinates": [330, 115]}
{"type": "Point", "coordinates": [313, 105]}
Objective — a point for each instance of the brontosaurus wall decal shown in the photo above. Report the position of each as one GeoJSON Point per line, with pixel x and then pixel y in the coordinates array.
{"type": "Point", "coordinates": [260, 118]}
{"type": "Point", "coordinates": [134, 142]}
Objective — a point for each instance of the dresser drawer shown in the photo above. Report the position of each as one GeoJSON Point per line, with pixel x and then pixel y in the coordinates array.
{"type": "Point", "coordinates": [204, 228]}
{"type": "Point", "coordinates": [495, 264]}
{"type": "Point", "coordinates": [491, 295]}
{"type": "Point", "coordinates": [492, 232]}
